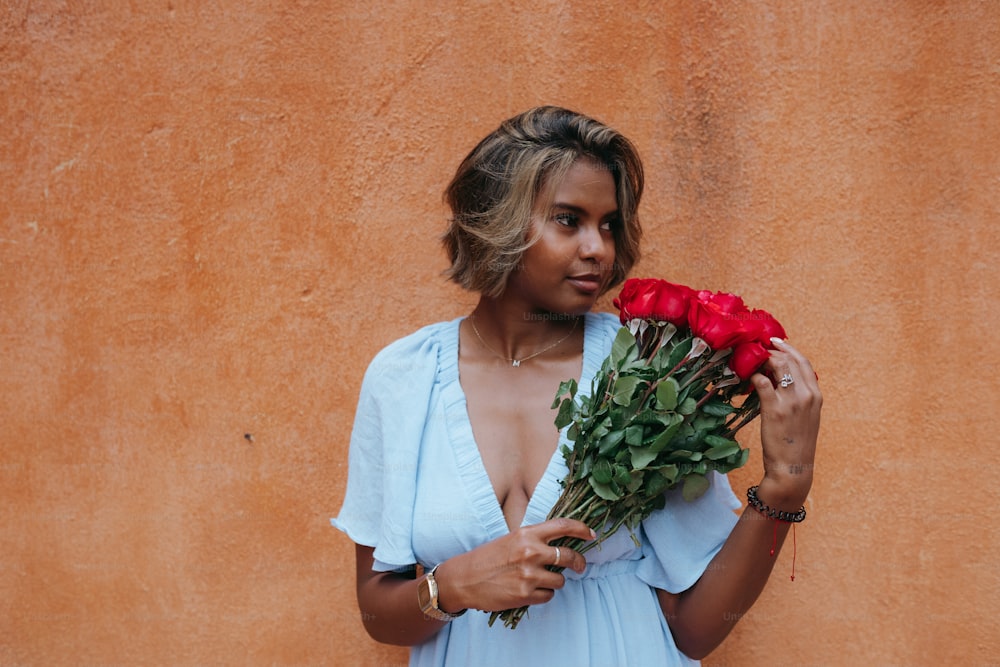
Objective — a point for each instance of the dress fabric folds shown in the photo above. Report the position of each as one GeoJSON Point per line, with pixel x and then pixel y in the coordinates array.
{"type": "Point", "coordinates": [418, 492]}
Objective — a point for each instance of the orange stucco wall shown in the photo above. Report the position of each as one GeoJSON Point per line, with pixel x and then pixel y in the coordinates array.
{"type": "Point", "coordinates": [212, 215]}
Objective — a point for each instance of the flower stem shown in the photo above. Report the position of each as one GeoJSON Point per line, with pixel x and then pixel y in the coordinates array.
{"type": "Point", "coordinates": [701, 371]}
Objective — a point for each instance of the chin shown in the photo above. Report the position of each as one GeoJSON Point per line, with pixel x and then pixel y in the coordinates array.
{"type": "Point", "coordinates": [576, 309]}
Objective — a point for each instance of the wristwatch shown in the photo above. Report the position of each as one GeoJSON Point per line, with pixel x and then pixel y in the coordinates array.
{"type": "Point", "coordinates": [427, 596]}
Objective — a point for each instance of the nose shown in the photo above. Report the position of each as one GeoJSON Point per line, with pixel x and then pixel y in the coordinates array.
{"type": "Point", "coordinates": [596, 244]}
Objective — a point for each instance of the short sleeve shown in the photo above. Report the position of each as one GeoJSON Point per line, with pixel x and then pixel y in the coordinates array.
{"type": "Point", "coordinates": [684, 537]}
{"type": "Point", "coordinates": [385, 448]}
{"type": "Point", "coordinates": [360, 514]}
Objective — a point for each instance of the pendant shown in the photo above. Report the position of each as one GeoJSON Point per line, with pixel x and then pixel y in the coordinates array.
{"type": "Point", "coordinates": [515, 363]}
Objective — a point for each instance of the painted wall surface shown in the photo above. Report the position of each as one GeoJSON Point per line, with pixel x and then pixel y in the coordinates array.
{"type": "Point", "coordinates": [213, 214]}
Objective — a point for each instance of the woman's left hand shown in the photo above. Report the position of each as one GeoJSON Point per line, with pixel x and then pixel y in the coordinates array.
{"type": "Point", "coordinates": [702, 616]}
{"type": "Point", "coordinates": [789, 413]}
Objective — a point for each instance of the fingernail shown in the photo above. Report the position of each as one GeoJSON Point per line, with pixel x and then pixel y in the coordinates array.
{"type": "Point", "coordinates": [593, 535]}
{"type": "Point", "coordinates": [777, 341]}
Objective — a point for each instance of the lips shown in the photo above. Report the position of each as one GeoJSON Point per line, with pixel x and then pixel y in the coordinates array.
{"type": "Point", "coordinates": [586, 282]}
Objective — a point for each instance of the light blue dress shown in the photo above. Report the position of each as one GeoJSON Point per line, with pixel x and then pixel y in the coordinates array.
{"type": "Point", "coordinates": [417, 491]}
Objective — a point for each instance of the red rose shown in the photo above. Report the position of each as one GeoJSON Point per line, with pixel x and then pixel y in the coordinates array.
{"type": "Point", "coordinates": [637, 299]}
{"type": "Point", "coordinates": [729, 303]}
{"type": "Point", "coordinates": [769, 327]}
{"type": "Point", "coordinates": [672, 303]}
{"type": "Point", "coordinates": [718, 328]}
{"type": "Point", "coordinates": [747, 358]}
{"type": "Point", "coordinates": [652, 299]}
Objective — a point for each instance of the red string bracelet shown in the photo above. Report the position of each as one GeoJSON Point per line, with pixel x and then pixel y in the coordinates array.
{"type": "Point", "coordinates": [778, 515]}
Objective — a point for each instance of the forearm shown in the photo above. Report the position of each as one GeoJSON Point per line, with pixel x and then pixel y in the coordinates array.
{"type": "Point", "coordinates": [701, 617]}
{"type": "Point", "coordinates": [389, 608]}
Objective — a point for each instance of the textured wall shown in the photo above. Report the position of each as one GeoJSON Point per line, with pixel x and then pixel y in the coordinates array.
{"type": "Point", "coordinates": [213, 214]}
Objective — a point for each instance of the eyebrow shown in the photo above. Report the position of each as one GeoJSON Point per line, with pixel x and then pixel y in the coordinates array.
{"type": "Point", "coordinates": [577, 209]}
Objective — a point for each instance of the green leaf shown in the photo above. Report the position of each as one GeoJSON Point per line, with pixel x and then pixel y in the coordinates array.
{"type": "Point", "coordinates": [713, 440]}
{"type": "Point", "coordinates": [633, 435]}
{"type": "Point", "coordinates": [694, 487]}
{"type": "Point", "coordinates": [602, 472]}
{"type": "Point", "coordinates": [684, 456]}
{"type": "Point", "coordinates": [599, 384]}
{"type": "Point", "coordinates": [722, 451]}
{"type": "Point", "coordinates": [619, 349]}
{"type": "Point", "coordinates": [656, 484]}
{"type": "Point", "coordinates": [565, 387]}
{"type": "Point", "coordinates": [659, 502]}
{"type": "Point", "coordinates": [601, 430]}
{"type": "Point", "coordinates": [666, 394]}
{"type": "Point", "coordinates": [624, 388]}
{"type": "Point", "coordinates": [706, 423]}
{"type": "Point", "coordinates": [733, 461]}
{"type": "Point", "coordinates": [647, 416]}
{"type": "Point", "coordinates": [618, 418]}
{"type": "Point", "coordinates": [669, 472]}
{"type": "Point", "coordinates": [665, 437]}
{"type": "Point", "coordinates": [609, 442]}
{"type": "Point", "coordinates": [604, 490]}
{"type": "Point", "coordinates": [744, 456]}
{"type": "Point", "coordinates": [574, 432]}
{"type": "Point", "coordinates": [659, 363]}
{"type": "Point", "coordinates": [687, 406]}
{"type": "Point", "coordinates": [635, 481]}
{"type": "Point", "coordinates": [678, 353]}
{"type": "Point", "coordinates": [565, 416]}
{"type": "Point", "coordinates": [641, 457]}
{"type": "Point", "coordinates": [622, 476]}
{"type": "Point", "coordinates": [717, 409]}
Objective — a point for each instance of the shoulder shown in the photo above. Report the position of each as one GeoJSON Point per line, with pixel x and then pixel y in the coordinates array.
{"type": "Point", "coordinates": [414, 354]}
{"type": "Point", "coordinates": [605, 325]}
{"type": "Point", "coordinates": [606, 321]}
{"type": "Point", "coordinates": [600, 336]}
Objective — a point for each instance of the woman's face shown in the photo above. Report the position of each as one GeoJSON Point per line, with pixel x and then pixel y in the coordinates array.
{"type": "Point", "coordinates": [571, 263]}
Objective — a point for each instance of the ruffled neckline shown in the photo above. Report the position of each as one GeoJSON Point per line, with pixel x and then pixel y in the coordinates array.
{"type": "Point", "coordinates": [470, 463]}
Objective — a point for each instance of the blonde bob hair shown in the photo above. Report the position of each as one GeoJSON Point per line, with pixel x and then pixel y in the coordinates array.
{"type": "Point", "coordinates": [496, 189]}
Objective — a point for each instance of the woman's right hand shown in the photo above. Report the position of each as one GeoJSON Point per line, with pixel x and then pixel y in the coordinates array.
{"type": "Point", "coordinates": [506, 573]}
{"type": "Point", "coordinates": [511, 571]}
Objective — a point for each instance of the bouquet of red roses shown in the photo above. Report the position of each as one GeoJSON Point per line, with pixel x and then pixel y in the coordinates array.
{"type": "Point", "coordinates": [663, 410]}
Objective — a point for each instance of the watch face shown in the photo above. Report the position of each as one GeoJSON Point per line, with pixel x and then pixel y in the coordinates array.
{"type": "Point", "coordinates": [427, 599]}
{"type": "Point", "coordinates": [424, 596]}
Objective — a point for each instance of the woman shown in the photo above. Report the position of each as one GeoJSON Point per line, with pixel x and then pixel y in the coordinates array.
{"type": "Point", "coordinates": [454, 462]}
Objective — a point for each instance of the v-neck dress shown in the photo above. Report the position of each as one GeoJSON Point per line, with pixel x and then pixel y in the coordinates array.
{"type": "Point", "coordinates": [418, 492]}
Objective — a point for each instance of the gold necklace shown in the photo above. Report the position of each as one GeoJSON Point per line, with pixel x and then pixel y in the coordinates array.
{"type": "Point", "coordinates": [515, 363]}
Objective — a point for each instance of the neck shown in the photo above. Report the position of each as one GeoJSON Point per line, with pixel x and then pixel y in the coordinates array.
{"type": "Point", "coordinates": [515, 333]}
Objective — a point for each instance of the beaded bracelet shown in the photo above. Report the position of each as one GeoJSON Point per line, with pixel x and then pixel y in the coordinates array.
{"type": "Point", "coordinates": [778, 515]}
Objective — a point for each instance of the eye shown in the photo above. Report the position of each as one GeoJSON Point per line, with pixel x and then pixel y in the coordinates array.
{"type": "Point", "coordinates": [611, 225]}
{"type": "Point", "coordinates": [566, 219]}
